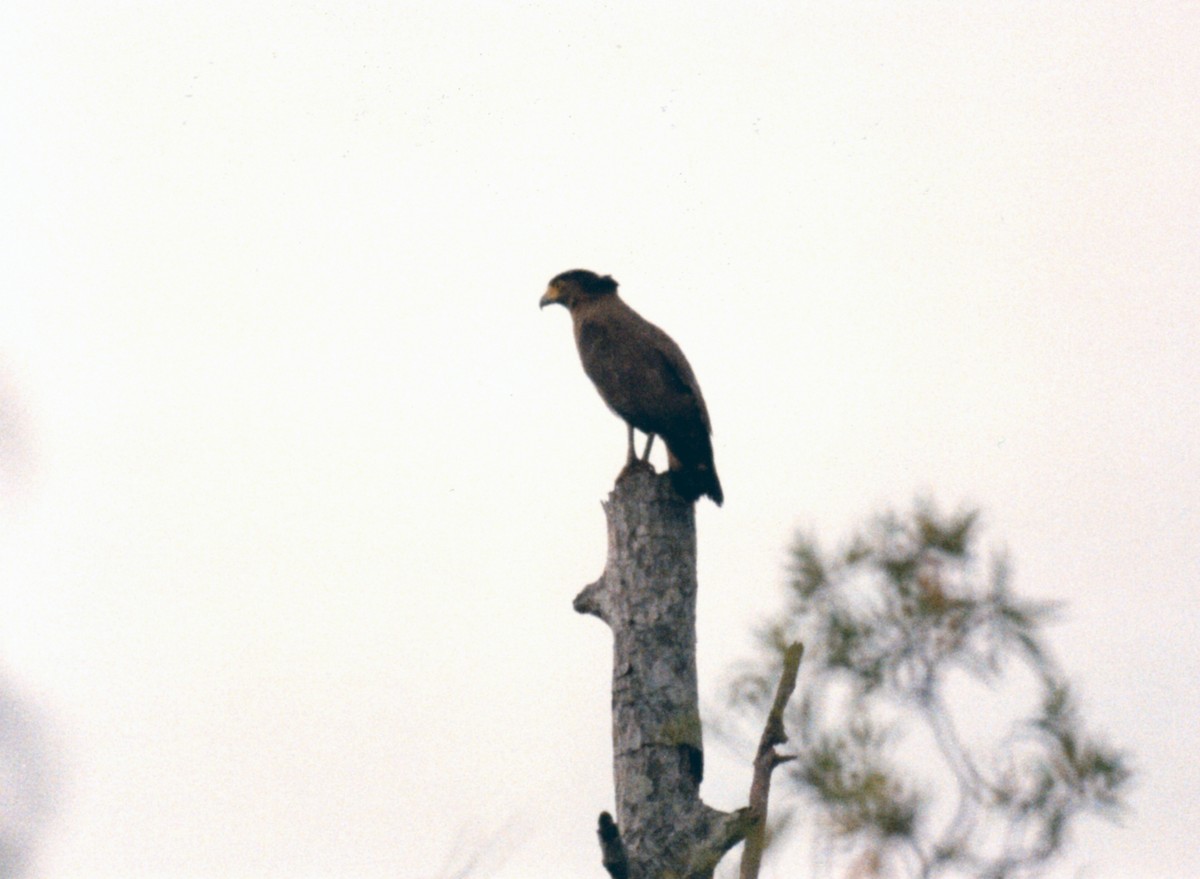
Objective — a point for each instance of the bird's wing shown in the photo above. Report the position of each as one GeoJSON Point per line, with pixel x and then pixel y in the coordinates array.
{"type": "Point", "coordinates": [678, 373]}
{"type": "Point", "coordinates": [639, 370]}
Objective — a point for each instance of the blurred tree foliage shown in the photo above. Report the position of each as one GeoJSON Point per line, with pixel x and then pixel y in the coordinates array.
{"type": "Point", "coordinates": [935, 735]}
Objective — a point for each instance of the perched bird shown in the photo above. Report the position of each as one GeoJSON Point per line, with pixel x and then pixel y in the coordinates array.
{"type": "Point", "coordinates": [643, 377]}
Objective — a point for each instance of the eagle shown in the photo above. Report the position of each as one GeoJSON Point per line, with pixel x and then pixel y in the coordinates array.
{"type": "Point", "coordinates": [643, 377]}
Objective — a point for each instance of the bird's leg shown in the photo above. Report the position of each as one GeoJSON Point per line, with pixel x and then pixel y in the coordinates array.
{"type": "Point", "coordinates": [632, 456]}
{"type": "Point", "coordinates": [649, 443]}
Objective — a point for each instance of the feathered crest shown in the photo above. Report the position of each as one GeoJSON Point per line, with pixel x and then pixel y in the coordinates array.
{"type": "Point", "coordinates": [588, 281]}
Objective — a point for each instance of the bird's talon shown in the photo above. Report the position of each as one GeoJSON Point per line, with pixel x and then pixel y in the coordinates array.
{"type": "Point", "coordinates": [633, 466]}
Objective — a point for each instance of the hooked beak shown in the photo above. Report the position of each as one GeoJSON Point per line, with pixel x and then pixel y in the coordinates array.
{"type": "Point", "coordinates": [549, 297]}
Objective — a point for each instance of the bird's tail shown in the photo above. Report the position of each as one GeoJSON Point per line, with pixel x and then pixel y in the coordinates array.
{"type": "Point", "coordinates": [697, 480]}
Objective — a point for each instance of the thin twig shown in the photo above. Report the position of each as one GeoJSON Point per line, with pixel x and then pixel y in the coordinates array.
{"type": "Point", "coordinates": [765, 761]}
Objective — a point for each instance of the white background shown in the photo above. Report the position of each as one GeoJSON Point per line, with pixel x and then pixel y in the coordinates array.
{"type": "Point", "coordinates": [300, 483]}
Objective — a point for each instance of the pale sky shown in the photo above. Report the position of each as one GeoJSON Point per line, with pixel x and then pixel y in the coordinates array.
{"type": "Point", "coordinates": [308, 482]}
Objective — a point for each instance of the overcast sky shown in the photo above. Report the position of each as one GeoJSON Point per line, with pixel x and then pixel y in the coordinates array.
{"type": "Point", "coordinates": [300, 483]}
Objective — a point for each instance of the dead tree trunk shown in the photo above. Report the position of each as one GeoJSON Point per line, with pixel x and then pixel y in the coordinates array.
{"type": "Point", "coordinates": [647, 596]}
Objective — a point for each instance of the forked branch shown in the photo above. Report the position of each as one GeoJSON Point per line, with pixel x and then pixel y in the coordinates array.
{"type": "Point", "coordinates": [765, 761]}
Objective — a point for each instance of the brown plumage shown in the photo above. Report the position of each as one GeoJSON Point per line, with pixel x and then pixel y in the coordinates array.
{"type": "Point", "coordinates": [643, 377]}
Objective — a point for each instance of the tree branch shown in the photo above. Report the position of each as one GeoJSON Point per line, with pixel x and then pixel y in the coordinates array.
{"type": "Point", "coordinates": [593, 600]}
{"type": "Point", "coordinates": [612, 850]}
{"type": "Point", "coordinates": [765, 761]}
{"type": "Point", "coordinates": [725, 830]}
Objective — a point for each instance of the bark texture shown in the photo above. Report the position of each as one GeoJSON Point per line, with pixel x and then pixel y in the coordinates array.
{"type": "Point", "coordinates": [647, 596]}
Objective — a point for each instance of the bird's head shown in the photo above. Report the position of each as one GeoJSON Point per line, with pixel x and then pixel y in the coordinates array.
{"type": "Point", "coordinates": [576, 286]}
